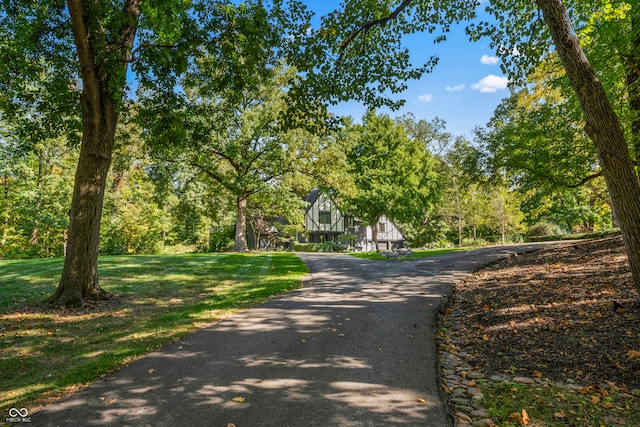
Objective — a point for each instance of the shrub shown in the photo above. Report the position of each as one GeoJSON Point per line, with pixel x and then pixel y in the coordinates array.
{"type": "Point", "coordinates": [544, 228]}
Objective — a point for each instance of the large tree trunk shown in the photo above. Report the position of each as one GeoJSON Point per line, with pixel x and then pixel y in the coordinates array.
{"type": "Point", "coordinates": [603, 127]}
{"type": "Point", "coordinates": [240, 244]}
{"type": "Point", "coordinates": [80, 273]}
{"type": "Point", "coordinates": [633, 87]}
{"type": "Point", "coordinates": [102, 88]}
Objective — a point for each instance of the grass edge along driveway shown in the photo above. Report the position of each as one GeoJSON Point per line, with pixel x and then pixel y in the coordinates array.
{"type": "Point", "coordinates": [47, 353]}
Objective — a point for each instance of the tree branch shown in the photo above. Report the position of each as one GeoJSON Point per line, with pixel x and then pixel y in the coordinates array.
{"type": "Point", "coordinates": [83, 46]}
{"type": "Point", "coordinates": [128, 30]}
{"type": "Point", "coordinates": [132, 57]}
{"type": "Point", "coordinates": [586, 179]}
{"type": "Point", "coordinates": [363, 28]}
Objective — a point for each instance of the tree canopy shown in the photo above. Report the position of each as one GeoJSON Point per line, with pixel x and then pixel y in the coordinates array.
{"type": "Point", "coordinates": [393, 173]}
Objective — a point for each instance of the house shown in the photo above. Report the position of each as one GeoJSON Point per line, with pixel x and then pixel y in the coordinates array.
{"type": "Point", "coordinates": [324, 222]}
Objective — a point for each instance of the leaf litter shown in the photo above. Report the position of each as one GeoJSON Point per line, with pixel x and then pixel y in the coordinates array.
{"type": "Point", "coordinates": [563, 314]}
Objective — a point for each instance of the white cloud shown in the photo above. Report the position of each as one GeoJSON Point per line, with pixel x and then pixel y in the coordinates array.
{"type": "Point", "coordinates": [456, 88]}
{"type": "Point", "coordinates": [489, 60]}
{"type": "Point", "coordinates": [491, 84]}
{"type": "Point", "coordinates": [425, 98]}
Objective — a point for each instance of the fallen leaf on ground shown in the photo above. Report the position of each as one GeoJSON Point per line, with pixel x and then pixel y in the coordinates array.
{"type": "Point", "coordinates": [613, 385]}
{"type": "Point", "coordinates": [238, 399]}
{"type": "Point", "coordinates": [633, 354]}
{"type": "Point", "coordinates": [151, 371]}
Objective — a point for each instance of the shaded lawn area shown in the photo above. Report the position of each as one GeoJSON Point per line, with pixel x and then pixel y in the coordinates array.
{"type": "Point", "coordinates": [415, 254]}
{"type": "Point", "coordinates": [565, 315]}
{"type": "Point", "coordinates": [47, 353]}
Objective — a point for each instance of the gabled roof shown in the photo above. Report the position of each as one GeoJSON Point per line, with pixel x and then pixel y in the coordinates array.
{"type": "Point", "coordinates": [311, 198]}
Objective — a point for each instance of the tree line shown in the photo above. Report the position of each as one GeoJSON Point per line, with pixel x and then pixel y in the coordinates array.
{"type": "Point", "coordinates": [443, 190]}
{"type": "Point", "coordinates": [233, 99]}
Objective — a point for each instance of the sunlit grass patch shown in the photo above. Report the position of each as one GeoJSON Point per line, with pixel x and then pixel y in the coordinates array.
{"type": "Point", "coordinates": [548, 405]}
{"type": "Point", "coordinates": [46, 353]}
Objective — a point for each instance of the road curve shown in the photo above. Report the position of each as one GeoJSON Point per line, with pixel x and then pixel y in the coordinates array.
{"type": "Point", "coordinates": [354, 347]}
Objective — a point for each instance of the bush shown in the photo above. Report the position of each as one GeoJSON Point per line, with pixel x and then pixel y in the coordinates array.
{"type": "Point", "coordinates": [469, 241]}
{"type": "Point", "coordinates": [595, 235]}
{"type": "Point", "coordinates": [544, 228]}
{"type": "Point", "coordinates": [221, 238]}
{"type": "Point", "coordinates": [317, 247]}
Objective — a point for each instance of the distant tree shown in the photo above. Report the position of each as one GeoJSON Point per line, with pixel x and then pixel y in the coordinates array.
{"type": "Point", "coordinates": [36, 189]}
{"type": "Point", "coordinates": [504, 212]}
{"type": "Point", "coordinates": [240, 140]}
{"type": "Point", "coordinates": [393, 174]}
{"type": "Point", "coordinates": [538, 119]}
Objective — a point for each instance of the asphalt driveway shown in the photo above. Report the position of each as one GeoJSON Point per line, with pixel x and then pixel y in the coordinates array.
{"type": "Point", "coordinates": [354, 347]}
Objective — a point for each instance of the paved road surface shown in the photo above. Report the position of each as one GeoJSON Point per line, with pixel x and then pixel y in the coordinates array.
{"type": "Point", "coordinates": [354, 347]}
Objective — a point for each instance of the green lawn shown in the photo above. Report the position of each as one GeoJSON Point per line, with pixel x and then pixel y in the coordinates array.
{"type": "Point", "coordinates": [415, 254]}
{"type": "Point", "coordinates": [46, 353]}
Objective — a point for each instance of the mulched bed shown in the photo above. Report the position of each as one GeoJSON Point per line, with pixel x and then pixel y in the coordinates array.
{"type": "Point", "coordinates": [553, 314]}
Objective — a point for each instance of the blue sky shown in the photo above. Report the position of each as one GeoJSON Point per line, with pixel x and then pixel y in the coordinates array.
{"type": "Point", "coordinates": [463, 89]}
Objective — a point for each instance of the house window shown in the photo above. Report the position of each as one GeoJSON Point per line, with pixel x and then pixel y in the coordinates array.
{"type": "Point", "coordinates": [381, 227]}
{"type": "Point", "coordinates": [324, 217]}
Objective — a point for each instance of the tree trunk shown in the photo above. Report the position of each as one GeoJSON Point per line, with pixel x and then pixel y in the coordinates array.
{"type": "Point", "coordinates": [7, 213]}
{"type": "Point", "coordinates": [633, 88]}
{"type": "Point", "coordinates": [374, 233]}
{"type": "Point", "coordinates": [503, 220]}
{"type": "Point", "coordinates": [35, 233]}
{"type": "Point", "coordinates": [5, 230]}
{"type": "Point", "coordinates": [80, 273]}
{"type": "Point", "coordinates": [240, 244]}
{"type": "Point", "coordinates": [102, 87]}
{"type": "Point", "coordinates": [603, 128]}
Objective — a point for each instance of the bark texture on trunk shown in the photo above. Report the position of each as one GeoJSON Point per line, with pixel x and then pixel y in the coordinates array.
{"type": "Point", "coordinates": [603, 127]}
{"type": "Point", "coordinates": [99, 103]}
{"type": "Point", "coordinates": [80, 273]}
{"type": "Point", "coordinates": [240, 244]}
{"type": "Point", "coordinates": [632, 71]}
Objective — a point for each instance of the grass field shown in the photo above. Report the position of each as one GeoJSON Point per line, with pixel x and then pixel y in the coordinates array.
{"type": "Point", "coordinates": [47, 353]}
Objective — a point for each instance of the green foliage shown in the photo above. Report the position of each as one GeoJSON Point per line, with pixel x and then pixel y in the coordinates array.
{"type": "Point", "coordinates": [134, 223]}
{"type": "Point", "coordinates": [415, 254]}
{"type": "Point", "coordinates": [35, 192]}
{"type": "Point", "coordinates": [544, 229]}
{"type": "Point", "coordinates": [240, 142]}
{"type": "Point", "coordinates": [316, 247]}
{"type": "Point", "coordinates": [594, 235]}
{"type": "Point", "coordinates": [577, 209]}
{"type": "Point", "coordinates": [542, 119]}
{"type": "Point", "coordinates": [357, 52]}
{"type": "Point", "coordinates": [221, 238]}
{"type": "Point", "coordinates": [38, 74]}
{"type": "Point", "coordinates": [393, 174]}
